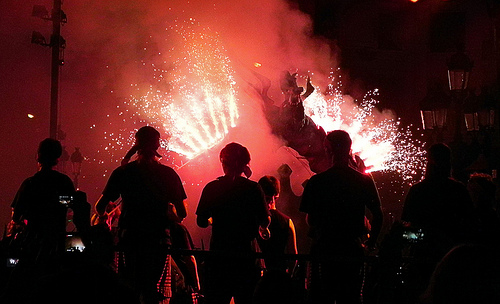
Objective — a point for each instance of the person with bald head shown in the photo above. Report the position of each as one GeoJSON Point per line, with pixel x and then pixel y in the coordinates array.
{"type": "Point", "coordinates": [335, 201]}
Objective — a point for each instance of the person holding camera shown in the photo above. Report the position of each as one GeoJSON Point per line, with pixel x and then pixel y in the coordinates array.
{"type": "Point", "coordinates": [37, 231]}
{"type": "Point", "coordinates": [40, 206]}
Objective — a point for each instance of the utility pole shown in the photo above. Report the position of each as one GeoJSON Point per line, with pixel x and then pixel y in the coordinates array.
{"type": "Point", "coordinates": [57, 43]}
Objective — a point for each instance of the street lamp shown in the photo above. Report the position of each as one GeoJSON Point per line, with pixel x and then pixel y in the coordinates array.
{"type": "Point", "coordinates": [479, 111]}
{"type": "Point", "coordinates": [459, 67]}
{"type": "Point", "coordinates": [434, 108]}
{"type": "Point", "coordinates": [486, 112]}
{"type": "Point", "coordinates": [471, 112]}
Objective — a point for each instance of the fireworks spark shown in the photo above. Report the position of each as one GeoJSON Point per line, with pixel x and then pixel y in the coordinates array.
{"type": "Point", "coordinates": [377, 137]}
{"type": "Point", "coordinates": [193, 98]}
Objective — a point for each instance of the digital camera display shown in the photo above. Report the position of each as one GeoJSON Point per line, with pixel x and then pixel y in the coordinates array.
{"type": "Point", "coordinates": [12, 262]}
{"type": "Point", "coordinates": [74, 243]}
{"type": "Point", "coordinates": [413, 235]}
{"type": "Point", "coordinates": [65, 199]}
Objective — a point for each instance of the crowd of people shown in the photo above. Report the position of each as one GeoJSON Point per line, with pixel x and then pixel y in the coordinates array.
{"type": "Point", "coordinates": [135, 249]}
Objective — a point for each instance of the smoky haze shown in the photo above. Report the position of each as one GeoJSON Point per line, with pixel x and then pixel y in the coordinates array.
{"type": "Point", "coordinates": [108, 44]}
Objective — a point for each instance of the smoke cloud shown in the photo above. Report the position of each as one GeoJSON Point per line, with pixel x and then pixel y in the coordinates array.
{"type": "Point", "coordinates": [111, 46]}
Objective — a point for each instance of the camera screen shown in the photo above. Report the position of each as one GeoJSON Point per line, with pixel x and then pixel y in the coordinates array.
{"type": "Point", "coordinates": [12, 262]}
{"type": "Point", "coordinates": [413, 235]}
{"type": "Point", "coordinates": [65, 199]}
{"type": "Point", "coordinates": [74, 243]}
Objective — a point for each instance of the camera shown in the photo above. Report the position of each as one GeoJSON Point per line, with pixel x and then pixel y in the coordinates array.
{"type": "Point", "coordinates": [12, 262]}
{"type": "Point", "coordinates": [73, 243]}
{"type": "Point", "coordinates": [413, 235]}
{"type": "Point", "coordinates": [65, 199]}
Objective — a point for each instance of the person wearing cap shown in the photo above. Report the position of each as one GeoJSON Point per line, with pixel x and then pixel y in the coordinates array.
{"type": "Point", "coordinates": [235, 208]}
{"type": "Point", "coordinates": [146, 188]}
{"type": "Point", "coordinates": [335, 202]}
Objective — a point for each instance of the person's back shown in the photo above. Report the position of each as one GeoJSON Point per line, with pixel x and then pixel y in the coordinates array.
{"type": "Point", "coordinates": [341, 195]}
{"type": "Point", "coordinates": [39, 221]}
{"type": "Point", "coordinates": [236, 209]}
{"type": "Point", "coordinates": [440, 205]}
{"type": "Point", "coordinates": [335, 202]}
{"type": "Point", "coordinates": [145, 197]}
{"type": "Point", "coordinates": [146, 188]}
{"type": "Point", "coordinates": [441, 209]}
{"type": "Point", "coordinates": [40, 199]}
{"type": "Point", "coordinates": [235, 215]}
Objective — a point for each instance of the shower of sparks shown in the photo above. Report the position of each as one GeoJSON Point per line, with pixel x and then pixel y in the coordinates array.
{"type": "Point", "coordinates": [193, 98]}
{"type": "Point", "coordinates": [377, 137]}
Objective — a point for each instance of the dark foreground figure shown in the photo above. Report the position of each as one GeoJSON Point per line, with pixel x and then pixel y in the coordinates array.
{"type": "Point", "coordinates": [235, 207]}
{"type": "Point", "coordinates": [335, 202]}
{"type": "Point", "coordinates": [146, 188]}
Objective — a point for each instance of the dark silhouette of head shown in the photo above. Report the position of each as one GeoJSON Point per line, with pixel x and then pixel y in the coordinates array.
{"type": "Point", "coordinates": [438, 161]}
{"type": "Point", "coordinates": [49, 152]}
{"type": "Point", "coordinates": [467, 274]}
{"type": "Point", "coordinates": [482, 190]}
{"type": "Point", "coordinates": [338, 145]}
{"type": "Point", "coordinates": [147, 142]}
{"type": "Point", "coordinates": [234, 158]}
{"type": "Point", "coordinates": [270, 185]}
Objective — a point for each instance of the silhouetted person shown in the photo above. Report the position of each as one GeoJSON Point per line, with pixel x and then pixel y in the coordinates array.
{"type": "Point", "coordinates": [442, 209]}
{"type": "Point", "coordinates": [41, 204]}
{"type": "Point", "coordinates": [335, 202]}
{"type": "Point", "coordinates": [181, 240]}
{"type": "Point", "coordinates": [39, 220]}
{"type": "Point", "coordinates": [236, 209]}
{"type": "Point", "coordinates": [482, 190]}
{"type": "Point", "coordinates": [440, 205]}
{"type": "Point", "coordinates": [276, 284]}
{"type": "Point", "coordinates": [466, 274]}
{"type": "Point", "coordinates": [289, 203]}
{"type": "Point", "coordinates": [282, 230]}
{"type": "Point", "coordinates": [146, 188]}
